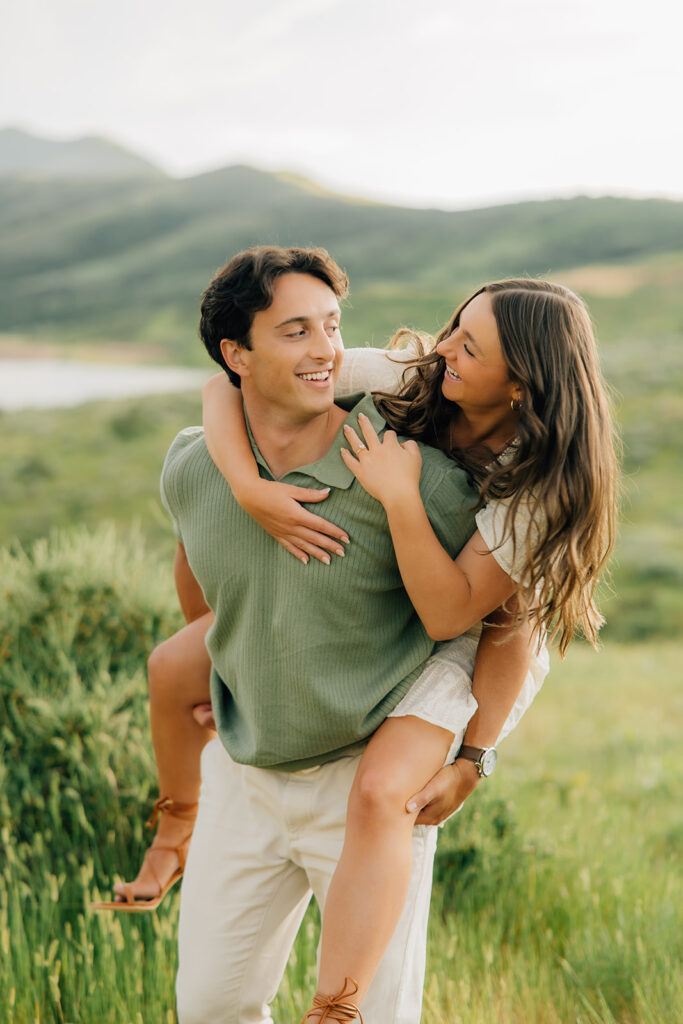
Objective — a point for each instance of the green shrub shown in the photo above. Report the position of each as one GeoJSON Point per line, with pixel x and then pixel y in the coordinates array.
{"type": "Point", "coordinates": [82, 611]}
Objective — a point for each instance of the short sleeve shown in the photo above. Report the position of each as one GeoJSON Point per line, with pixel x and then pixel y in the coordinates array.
{"type": "Point", "coordinates": [373, 369]}
{"type": "Point", "coordinates": [509, 548]}
{"type": "Point", "coordinates": [449, 500]}
{"type": "Point", "coordinates": [165, 502]}
{"type": "Point", "coordinates": [167, 484]}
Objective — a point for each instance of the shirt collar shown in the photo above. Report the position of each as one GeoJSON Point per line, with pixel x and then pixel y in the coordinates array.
{"type": "Point", "coordinates": [330, 470]}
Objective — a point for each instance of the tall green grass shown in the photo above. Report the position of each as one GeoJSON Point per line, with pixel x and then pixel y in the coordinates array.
{"type": "Point", "coordinates": [557, 890]}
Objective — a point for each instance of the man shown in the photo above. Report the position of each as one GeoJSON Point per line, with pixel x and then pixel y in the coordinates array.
{"type": "Point", "coordinates": [307, 661]}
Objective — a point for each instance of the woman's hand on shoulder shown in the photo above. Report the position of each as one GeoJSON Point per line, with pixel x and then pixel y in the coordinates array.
{"type": "Point", "coordinates": [387, 469]}
{"type": "Point", "coordinates": [444, 793]}
{"type": "Point", "coordinates": [276, 507]}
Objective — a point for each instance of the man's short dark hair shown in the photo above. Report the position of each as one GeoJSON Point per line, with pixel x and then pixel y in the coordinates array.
{"type": "Point", "coordinates": [244, 287]}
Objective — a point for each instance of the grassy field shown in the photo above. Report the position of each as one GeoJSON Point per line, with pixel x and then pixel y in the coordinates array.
{"type": "Point", "coordinates": [557, 890]}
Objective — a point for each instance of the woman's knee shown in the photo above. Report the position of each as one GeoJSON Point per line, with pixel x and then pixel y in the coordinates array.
{"type": "Point", "coordinates": [377, 795]}
{"type": "Point", "coordinates": [162, 671]}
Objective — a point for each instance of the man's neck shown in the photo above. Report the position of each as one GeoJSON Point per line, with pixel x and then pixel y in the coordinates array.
{"type": "Point", "coordinates": [286, 444]}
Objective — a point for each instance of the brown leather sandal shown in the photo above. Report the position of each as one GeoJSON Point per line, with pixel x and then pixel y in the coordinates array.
{"type": "Point", "coordinates": [333, 1009]}
{"type": "Point", "coordinates": [132, 903]}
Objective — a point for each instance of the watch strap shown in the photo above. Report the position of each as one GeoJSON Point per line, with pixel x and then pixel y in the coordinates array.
{"type": "Point", "coordinates": [472, 753]}
{"type": "Point", "coordinates": [484, 758]}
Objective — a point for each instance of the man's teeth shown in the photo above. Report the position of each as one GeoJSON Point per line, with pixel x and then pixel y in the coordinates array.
{"type": "Point", "coordinates": [322, 375]}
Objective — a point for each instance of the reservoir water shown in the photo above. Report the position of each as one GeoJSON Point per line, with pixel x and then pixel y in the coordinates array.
{"type": "Point", "coordinates": [53, 383]}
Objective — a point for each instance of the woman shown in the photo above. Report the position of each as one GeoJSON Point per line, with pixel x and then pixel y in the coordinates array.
{"type": "Point", "coordinates": [514, 393]}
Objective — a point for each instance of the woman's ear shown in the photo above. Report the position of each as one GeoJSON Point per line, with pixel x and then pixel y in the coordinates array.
{"type": "Point", "coordinates": [236, 356]}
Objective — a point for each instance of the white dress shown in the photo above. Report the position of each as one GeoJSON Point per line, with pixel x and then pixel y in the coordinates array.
{"type": "Point", "coordinates": [442, 693]}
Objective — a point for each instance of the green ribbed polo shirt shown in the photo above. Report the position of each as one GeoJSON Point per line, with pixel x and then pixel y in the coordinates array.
{"type": "Point", "coordinates": [308, 660]}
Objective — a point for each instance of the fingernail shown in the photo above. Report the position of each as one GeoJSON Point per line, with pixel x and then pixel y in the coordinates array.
{"type": "Point", "coordinates": [341, 552]}
{"type": "Point", "coordinates": [326, 559]}
{"type": "Point", "coordinates": [344, 539]}
{"type": "Point", "coordinates": [411, 806]}
{"type": "Point", "coordinates": [325, 490]}
{"type": "Point", "coordinates": [362, 416]}
{"type": "Point", "coordinates": [304, 559]}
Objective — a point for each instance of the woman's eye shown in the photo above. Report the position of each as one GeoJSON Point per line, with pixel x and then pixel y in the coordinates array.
{"type": "Point", "coordinates": [469, 353]}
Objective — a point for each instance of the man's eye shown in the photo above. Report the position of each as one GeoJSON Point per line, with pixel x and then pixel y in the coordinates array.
{"type": "Point", "coordinates": [295, 334]}
{"type": "Point", "coordinates": [332, 328]}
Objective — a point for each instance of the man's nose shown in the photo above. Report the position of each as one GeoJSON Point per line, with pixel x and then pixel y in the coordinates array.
{"type": "Point", "coordinates": [322, 345]}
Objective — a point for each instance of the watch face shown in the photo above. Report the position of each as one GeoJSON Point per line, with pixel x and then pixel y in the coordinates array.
{"type": "Point", "coordinates": [488, 761]}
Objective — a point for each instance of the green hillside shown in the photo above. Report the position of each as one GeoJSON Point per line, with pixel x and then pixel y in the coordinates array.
{"type": "Point", "coordinates": [126, 260]}
{"type": "Point", "coordinates": [88, 157]}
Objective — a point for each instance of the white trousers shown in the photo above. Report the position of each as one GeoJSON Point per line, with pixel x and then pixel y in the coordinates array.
{"type": "Point", "coordinates": [265, 841]}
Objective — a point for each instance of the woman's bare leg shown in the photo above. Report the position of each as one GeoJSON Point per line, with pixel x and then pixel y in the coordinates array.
{"type": "Point", "coordinates": [369, 887]}
{"type": "Point", "coordinates": [179, 670]}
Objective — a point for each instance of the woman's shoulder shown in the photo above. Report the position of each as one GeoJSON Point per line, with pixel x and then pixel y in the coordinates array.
{"type": "Point", "coordinates": [509, 536]}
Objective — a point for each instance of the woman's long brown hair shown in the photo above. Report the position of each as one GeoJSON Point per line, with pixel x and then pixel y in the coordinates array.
{"type": "Point", "coordinates": [563, 465]}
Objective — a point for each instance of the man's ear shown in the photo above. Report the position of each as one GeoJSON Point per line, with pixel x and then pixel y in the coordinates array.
{"type": "Point", "coordinates": [236, 356]}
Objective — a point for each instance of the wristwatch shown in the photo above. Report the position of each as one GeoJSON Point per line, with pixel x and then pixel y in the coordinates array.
{"type": "Point", "coordinates": [485, 759]}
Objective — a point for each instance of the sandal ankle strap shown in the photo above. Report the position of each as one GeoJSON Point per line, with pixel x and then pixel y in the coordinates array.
{"type": "Point", "coordinates": [167, 805]}
{"type": "Point", "coordinates": [333, 1008]}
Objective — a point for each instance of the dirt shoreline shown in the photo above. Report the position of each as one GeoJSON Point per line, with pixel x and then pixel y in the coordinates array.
{"type": "Point", "coordinates": [14, 346]}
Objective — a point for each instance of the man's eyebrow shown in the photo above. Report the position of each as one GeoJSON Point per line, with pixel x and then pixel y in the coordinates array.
{"type": "Point", "coordinates": [304, 319]}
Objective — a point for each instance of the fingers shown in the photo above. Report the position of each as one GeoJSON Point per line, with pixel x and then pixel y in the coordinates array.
{"type": "Point", "coordinates": [348, 460]}
{"type": "Point", "coordinates": [326, 533]}
{"type": "Point", "coordinates": [357, 445]}
{"type": "Point", "coordinates": [430, 806]}
{"type": "Point", "coordinates": [293, 550]}
{"type": "Point", "coordinates": [311, 527]}
{"type": "Point", "coordinates": [420, 800]}
{"type": "Point", "coordinates": [307, 544]}
{"type": "Point", "coordinates": [203, 715]}
{"type": "Point", "coordinates": [316, 544]}
{"type": "Point", "coordinates": [433, 814]}
{"type": "Point", "coordinates": [369, 432]}
{"type": "Point", "coordinates": [439, 798]}
{"type": "Point", "coordinates": [308, 494]}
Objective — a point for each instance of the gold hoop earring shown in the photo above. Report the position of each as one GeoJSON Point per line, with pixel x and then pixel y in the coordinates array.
{"type": "Point", "coordinates": [515, 404]}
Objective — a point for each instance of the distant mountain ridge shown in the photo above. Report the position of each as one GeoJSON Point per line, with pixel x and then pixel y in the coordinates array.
{"type": "Point", "coordinates": [22, 153]}
{"type": "Point", "coordinates": [127, 257]}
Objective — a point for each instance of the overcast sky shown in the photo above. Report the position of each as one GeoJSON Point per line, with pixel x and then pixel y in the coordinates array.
{"type": "Point", "coordinates": [444, 102]}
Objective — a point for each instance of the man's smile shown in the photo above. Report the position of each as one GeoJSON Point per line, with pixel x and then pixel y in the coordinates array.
{"type": "Point", "coordinates": [317, 375]}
